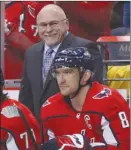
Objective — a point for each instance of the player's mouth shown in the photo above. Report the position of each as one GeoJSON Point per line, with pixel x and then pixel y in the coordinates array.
{"type": "Point", "coordinates": [63, 87]}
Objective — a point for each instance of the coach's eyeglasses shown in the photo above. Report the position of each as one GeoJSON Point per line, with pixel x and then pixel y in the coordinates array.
{"type": "Point", "coordinates": [52, 24]}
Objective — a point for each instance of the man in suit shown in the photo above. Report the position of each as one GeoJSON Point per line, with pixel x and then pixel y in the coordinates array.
{"type": "Point", "coordinates": [53, 29]}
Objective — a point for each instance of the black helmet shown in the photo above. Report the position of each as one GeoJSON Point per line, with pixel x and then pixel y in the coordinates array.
{"type": "Point", "coordinates": [78, 57]}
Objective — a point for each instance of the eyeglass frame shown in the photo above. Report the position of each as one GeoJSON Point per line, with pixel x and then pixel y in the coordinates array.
{"type": "Point", "coordinates": [52, 24]}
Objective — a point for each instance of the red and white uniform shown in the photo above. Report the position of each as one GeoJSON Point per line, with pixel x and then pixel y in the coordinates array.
{"type": "Point", "coordinates": [20, 33]}
{"type": "Point", "coordinates": [104, 118]}
{"type": "Point", "coordinates": [12, 128]}
{"type": "Point", "coordinates": [13, 51]}
{"type": "Point", "coordinates": [31, 10]}
{"type": "Point", "coordinates": [20, 17]}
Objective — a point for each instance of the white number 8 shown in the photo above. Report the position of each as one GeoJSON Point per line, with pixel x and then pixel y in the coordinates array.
{"type": "Point", "coordinates": [123, 119]}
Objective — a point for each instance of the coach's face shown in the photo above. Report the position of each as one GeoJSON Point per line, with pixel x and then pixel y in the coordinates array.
{"type": "Point", "coordinates": [52, 26]}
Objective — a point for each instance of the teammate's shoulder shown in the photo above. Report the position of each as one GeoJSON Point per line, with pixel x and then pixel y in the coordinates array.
{"type": "Point", "coordinates": [9, 108]}
{"type": "Point", "coordinates": [9, 101]}
{"type": "Point", "coordinates": [11, 105]}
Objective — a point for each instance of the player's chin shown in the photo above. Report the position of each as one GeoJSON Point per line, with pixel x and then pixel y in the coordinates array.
{"type": "Point", "coordinates": [64, 92]}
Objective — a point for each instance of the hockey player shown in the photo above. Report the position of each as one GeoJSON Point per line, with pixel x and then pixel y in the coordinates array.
{"type": "Point", "coordinates": [84, 107]}
{"type": "Point", "coordinates": [19, 129]}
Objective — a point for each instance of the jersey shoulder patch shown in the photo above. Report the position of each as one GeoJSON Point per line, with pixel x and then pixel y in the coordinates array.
{"type": "Point", "coordinates": [55, 99]}
{"type": "Point", "coordinates": [10, 112]}
{"type": "Point", "coordinates": [47, 102]}
{"type": "Point", "coordinates": [106, 92]}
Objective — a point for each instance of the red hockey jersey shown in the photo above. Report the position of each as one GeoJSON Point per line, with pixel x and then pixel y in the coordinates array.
{"type": "Point", "coordinates": [13, 131]}
{"type": "Point", "coordinates": [20, 33]}
{"type": "Point", "coordinates": [16, 42]}
{"type": "Point", "coordinates": [104, 118]}
{"type": "Point", "coordinates": [20, 17]}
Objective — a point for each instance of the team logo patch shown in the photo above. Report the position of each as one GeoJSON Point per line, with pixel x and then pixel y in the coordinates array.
{"type": "Point", "coordinates": [50, 134]}
{"type": "Point", "coordinates": [104, 93]}
{"type": "Point", "coordinates": [46, 103]}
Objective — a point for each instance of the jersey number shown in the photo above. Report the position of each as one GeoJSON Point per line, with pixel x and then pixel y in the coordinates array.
{"type": "Point", "coordinates": [25, 136]}
{"type": "Point", "coordinates": [123, 119]}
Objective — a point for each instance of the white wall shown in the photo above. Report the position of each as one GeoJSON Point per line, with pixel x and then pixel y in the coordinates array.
{"type": "Point", "coordinates": [13, 94]}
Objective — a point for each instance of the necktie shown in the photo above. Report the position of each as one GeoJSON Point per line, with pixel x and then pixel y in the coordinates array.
{"type": "Point", "coordinates": [47, 62]}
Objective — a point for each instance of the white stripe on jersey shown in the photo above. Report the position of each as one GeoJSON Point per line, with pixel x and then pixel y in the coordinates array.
{"type": "Point", "coordinates": [107, 132]}
{"type": "Point", "coordinates": [97, 144]}
{"type": "Point", "coordinates": [10, 143]}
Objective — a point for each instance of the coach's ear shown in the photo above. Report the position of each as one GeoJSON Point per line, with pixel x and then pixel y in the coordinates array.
{"type": "Point", "coordinates": [86, 76]}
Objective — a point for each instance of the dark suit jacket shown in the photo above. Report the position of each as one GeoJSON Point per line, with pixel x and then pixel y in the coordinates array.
{"type": "Point", "coordinates": [33, 93]}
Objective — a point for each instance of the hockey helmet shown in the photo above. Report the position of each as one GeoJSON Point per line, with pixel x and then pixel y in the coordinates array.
{"type": "Point", "coordinates": [78, 57]}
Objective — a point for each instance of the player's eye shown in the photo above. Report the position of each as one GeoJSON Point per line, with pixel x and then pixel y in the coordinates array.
{"type": "Point", "coordinates": [68, 71]}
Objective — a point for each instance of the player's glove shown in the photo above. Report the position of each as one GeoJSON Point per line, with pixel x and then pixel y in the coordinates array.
{"type": "Point", "coordinates": [67, 142]}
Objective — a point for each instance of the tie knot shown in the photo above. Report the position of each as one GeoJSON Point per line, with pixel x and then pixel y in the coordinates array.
{"type": "Point", "coordinates": [49, 52]}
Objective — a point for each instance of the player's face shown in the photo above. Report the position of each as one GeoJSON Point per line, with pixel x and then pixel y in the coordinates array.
{"type": "Point", "coordinates": [52, 28]}
{"type": "Point", "coordinates": [68, 80]}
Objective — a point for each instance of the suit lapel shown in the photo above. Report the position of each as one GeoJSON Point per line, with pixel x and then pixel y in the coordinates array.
{"type": "Point", "coordinates": [66, 42]}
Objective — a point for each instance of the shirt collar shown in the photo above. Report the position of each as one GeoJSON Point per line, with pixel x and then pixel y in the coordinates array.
{"type": "Point", "coordinates": [55, 48]}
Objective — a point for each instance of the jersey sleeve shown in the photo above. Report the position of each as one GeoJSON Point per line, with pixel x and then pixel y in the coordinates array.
{"type": "Point", "coordinates": [7, 140]}
{"type": "Point", "coordinates": [116, 124]}
{"type": "Point", "coordinates": [32, 122]}
{"type": "Point", "coordinates": [16, 122]}
{"type": "Point", "coordinates": [12, 17]}
{"type": "Point", "coordinates": [46, 124]}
